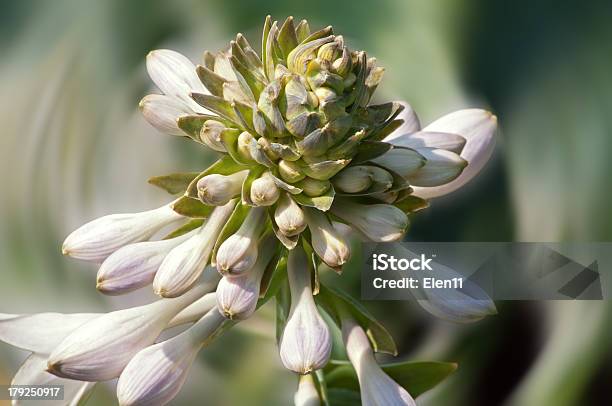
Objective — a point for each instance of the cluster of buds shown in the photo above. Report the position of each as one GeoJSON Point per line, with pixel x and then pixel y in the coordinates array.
{"type": "Point", "coordinates": [304, 157]}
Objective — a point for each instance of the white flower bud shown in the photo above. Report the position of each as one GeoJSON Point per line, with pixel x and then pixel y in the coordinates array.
{"type": "Point", "coordinates": [156, 374]}
{"type": "Point", "coordinates": [162, 111]}
{"type": "Point", "coordinates": [134, 266]}
{"type": "Point", "coordinates": [264, 191]}
{"type": "Point", "coordinates": [237, 296]}
{"type": "Point", "coordinates": [99, 349]}
{"type": "Point", "coordinates": [307, 394]}
{"type": "Point", "coordinates": [99, 238]}
{"type": "Point", "coordinates": [238, 253]}
{"type": "Point", "coordinates": [379, 222]}
{"type": "Point", "coordinates": [442, 166]}
{"type": "Point", "coordinates": [217, 190]}
{"type": "Point", "coordinates": [376, 387]}
{"type": "Point", "coordinates": [182, 267]}
{"type": "Point", "coordinates": [403, 161]}
{"type": "Point", "coordinates": [305, 345]}
{"type": "Point", "coordinates": [478, 127]}
{"type": "Point", "coordinates": [326, 241]}
{"type": "Point", "coordinates": [289, 217]}
{"type": "Point", "coordinates": [353, 179]}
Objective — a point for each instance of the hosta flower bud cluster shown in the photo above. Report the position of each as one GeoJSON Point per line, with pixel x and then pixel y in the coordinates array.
{"type": "Point", "coordinates": [306, 159]}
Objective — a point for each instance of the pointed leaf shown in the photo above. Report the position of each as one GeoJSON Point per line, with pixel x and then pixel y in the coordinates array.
{"type": "Point", "coordinates": [174, 183]}
{"type": "Point", "coordinates": [190, 207]}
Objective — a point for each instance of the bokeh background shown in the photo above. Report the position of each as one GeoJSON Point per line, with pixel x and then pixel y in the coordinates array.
{"type": "Point", "coordinates": [73, 147]}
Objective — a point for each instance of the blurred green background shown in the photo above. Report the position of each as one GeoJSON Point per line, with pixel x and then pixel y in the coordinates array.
{"type": "Point", "coordinates": [73, 146]}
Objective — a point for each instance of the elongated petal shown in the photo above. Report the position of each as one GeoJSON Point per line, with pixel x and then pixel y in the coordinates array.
{"type": "Point", "coordinates": [99, 238]}
{"type": "Point", "coordinates": [376, 387]}
{"type": "Point", "coordinates": [197, 309]}
{"type": "Point", "coordinates": [162, 111]}
{"type": "Point", "coordinates": [411, 123]}
{"type": "Point", "coordinates": [442, 166]}
{"type": "Point", "coordinates": [134, 266]}
{"type": "Point", "coordinates": [430, 139]}
{"type": "Point", "coordinates": [32, 372]}
{"type": "Point", "coordinates": [99, 349]}
{"type": "Point", "coordinates": [307, 394]}
{"type": "Point", "coordinates": [182, 267]}
{"type": "Point", "coordinates": [156, 374]}
{"type": "Point", "coordinates": [305, 345]}
{"type": "Point", "coordinates": [401, 160]}
{"type": "Point", "coordinates": [478, 128]}
{"type": "Point", "coordinates": [41, 332]}
{"type": "Point", "coordinates": [175, 76]}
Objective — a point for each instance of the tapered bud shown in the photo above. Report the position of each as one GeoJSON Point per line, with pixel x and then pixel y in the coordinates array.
{"type": "Point", "coordinates": [442, 166]}
{"type": "Point", "coordinates": [290, 171]}
{"type": "Point", "coordinates": [245, 140]}
{"type": "Point", "coordinates": [99, 349]}
{"type": "Point", "coordinates": [404, 161]}
{"type": "Point", "coordinates": [289, 217]}
{"type": "Point", "coordinates": [381, 177]}
{"type": "Point", "coordinates": [99, 238]}
{"type": "Point", "coordinates": [183, 266]}
{"type": "Point", "coordinates": [217, 190]}
{"type": "Point", "coordinates": [379, 222]}
{"type": "Point", "coordinates": [353, 179]}
{"type": "Point", "coordinates": [134, 266]}
{"type": "Point", "coordinates": [306, 394]}
{"type": "Point", "coordinates": [162, 111]}
{"type": "Point", "coordinates": [313, 187]}
{"type": "Point", "coordinates": [238, 253]}
{"type": "Point", "coordinates": [210, 135]}
{"type": "Point", "coordinates": [264, 191]}
{"type": "Point", "coordinates": [326, 241]}
{"type": "Point", "coordinates": [305, 345]}
{"type": "Point", "coordinates": [237, 296]}
{"type": "Point", "coordinates": [156, 374]}
{"type": "Point", "coordinates": [376, 387]}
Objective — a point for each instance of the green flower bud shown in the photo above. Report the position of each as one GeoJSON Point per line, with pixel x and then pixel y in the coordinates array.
{"type": "Point", "coordinates": [314, 187]}
{"type": "Point", "coordinates": [290, 171]}
{"type": "Point", "coordinates": [353, 179]}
